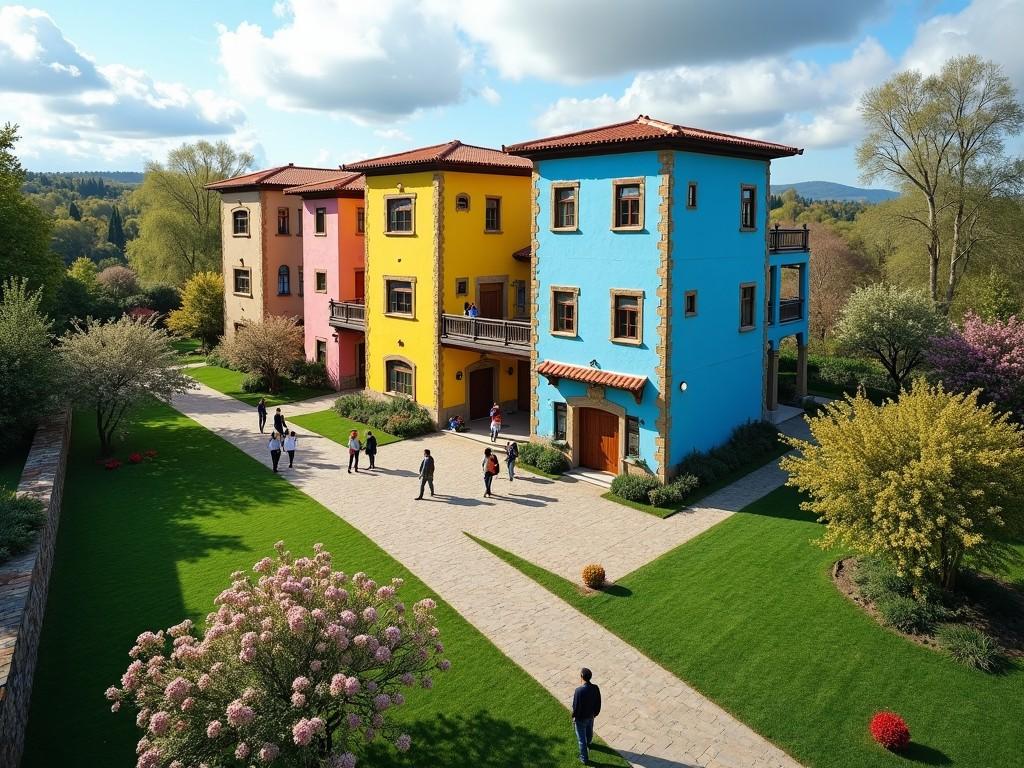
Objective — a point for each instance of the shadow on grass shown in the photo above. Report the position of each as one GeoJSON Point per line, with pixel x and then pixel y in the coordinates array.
{"type": "Point", "coordinates": [617, 590]}
{"type": "Point", "coordinates": [782, 504]}
{"type": "Point", "coordinates": [925, 755]}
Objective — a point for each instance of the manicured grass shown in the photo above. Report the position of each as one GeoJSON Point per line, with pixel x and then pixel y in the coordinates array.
{"type": "Point", "coordinates": [748, 615]}
{"type": "Point", "coordinates": [144, 546]}
{"type": "Point", "coordinates": [188, 351]}
{"type": "Point", "coordinates": [337, 428]}
{"type": "Point", "coordinates": [230, 383]}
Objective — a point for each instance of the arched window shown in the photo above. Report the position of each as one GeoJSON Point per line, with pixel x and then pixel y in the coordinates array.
{"type": "Point", "coordinates": [462, 202]}
{"type": "Point", "coordinates": [284, 281]}
{"type": "Point", "coordinates": [400, 376]}
{"type": "Point", "coordinates": [240, 222]}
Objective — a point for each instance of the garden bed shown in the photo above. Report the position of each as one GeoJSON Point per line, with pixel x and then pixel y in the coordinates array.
{"type": "Point", "coordinates": [337, 428]}
{"type": "Point", "coordinates": [229, 382]}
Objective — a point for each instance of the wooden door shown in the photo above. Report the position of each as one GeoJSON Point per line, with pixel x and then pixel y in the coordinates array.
{"type": "Point", "coordinates": [523, 387]}
{"type": "Point", "coordinates": [491, 300]}
{"type": "Point", "coordinates": [360, 284]}
{"type": "Point", "coordinates": [599, 439]}
{"type": "Point", "coordinates": [481, 392]}
{"type": "Point", "coordinates": [361, 363]}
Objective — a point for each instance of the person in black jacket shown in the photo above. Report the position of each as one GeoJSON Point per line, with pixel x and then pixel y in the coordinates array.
{"type": "Point", "coordinates": [586, 705]}
{"type": "Point", "coordinates": [426, 473]}
{"type": "Point", "coordinates": [279, 425]}
{"type": "Point", "coordinates": [370, 447]}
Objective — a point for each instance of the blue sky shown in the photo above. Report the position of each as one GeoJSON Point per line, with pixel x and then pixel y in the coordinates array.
{"type": "Point", "coordinates": [321, 83]}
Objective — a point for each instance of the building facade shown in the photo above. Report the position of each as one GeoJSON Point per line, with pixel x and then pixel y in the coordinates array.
{"type": "Point", "coordinates": [447, 228]}
{"type": "Point", "coordinates": [333, 258]}
{"type": "Point", "coordinates": [655, 333]}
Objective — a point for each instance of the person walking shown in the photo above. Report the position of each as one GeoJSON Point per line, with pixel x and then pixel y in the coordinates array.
{"type": "Point", "coordinates": [261, 411]}
{"type": "Point", "coordinates": [290, 441]}
{"type": "Point", "coordinates": [495, 415]}
{"type": "Point", "coordinates": [511, 454]}
{"type": "Point", "coordinates": [426, 473]}
{"type": "Point", "coordinates": [279, 425]}
{"type": "Point", "coordinates": [353, 450]}
{"type": "Point", "coordinates": [586, 705]}
{"type": "Point", "coordinates": [370, 448]}
{"type": "Point", "coordinates": [275, 449]}
{"type": "Point", "coordinates": [491, 468]}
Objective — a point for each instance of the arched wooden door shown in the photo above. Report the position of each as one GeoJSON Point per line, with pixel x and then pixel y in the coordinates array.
{"type": "Point", "coordinates": [599, 439]}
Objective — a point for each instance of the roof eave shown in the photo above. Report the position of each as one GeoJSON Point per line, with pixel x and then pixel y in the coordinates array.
{"type": "Point", "coordinates": [438, 165]}
{"type": "Point", "coordinates": [647, 145]}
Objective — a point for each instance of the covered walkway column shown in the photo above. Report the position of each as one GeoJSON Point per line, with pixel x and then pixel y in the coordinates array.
{"type": "Point", "coordinates": [801, 367]}
{"type": "Point", "coordinates": [772, 395]}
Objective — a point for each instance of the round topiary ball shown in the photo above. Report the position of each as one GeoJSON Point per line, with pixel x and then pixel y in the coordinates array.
{"type": "Point", "coordinates": [890, 730]}
{"type": "Point", "coordinates": [593, 576]}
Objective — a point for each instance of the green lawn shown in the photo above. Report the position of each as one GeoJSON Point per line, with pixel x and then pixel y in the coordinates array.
{"type": "Point", "coordinates": [144, 546]}
{"type": "Point", "coordinates": [188, 351]}
{"type": "Point", "coordinates": [230, 383]}
{"type": "Point", "coordinates": [748, 615]}
{"type": "Point", "coordinates": [334, 427]}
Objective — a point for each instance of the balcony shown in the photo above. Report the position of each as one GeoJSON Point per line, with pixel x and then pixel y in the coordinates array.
{"type": "Point", "coordinates": [790, 310]}
{"type": "Point", "coordinates": [511, 337]}
{"type": "Point", "coordinates": [348, 314]}
{"type": "Point", "coordinates": [788, 239]}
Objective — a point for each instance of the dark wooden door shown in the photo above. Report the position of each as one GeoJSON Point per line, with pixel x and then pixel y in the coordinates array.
{"type": "Point", "coordinates": [599, 439]}
{"type": "Point", "coordinates": [360, 284]}
{"type": "Point", "coordinates": [481, 392]}
{"type": "Point", "coordinates": [361, 363]}
{"type": "Point", "coordinates": [490, 300]}
{"type": "Point", "coordinates": [523, 387]}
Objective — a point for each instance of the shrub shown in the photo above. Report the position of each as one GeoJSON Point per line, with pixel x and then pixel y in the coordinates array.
{"type": "Point", "coordinates": [906, 614]}
{"type": "Point", "coordinates": [397, 416]}
{"type": "Point", "coordinates": [732, 457]}
{"type": "Point", "coordinates": [311, 374]}
{"type": "Point", "coordinates": [635, 487]}
{"type": "Point", "coordinates": [111, 464]}
{"type": "Point", "coordinates": [20, 518]}
{"type": "Point", "coordinates": [135, 458]}
{"type": "Point", "coordinates": [755, 436]}
{"type": "Point", "coordinates": [707, 469]}
{"type": "Point", "coordinates": [407, 423]}
{"type": "Point", "coordinates": [890, 730]}
{"type": "Point", "coordinates": [878, 580]}
{"type": "Point", "coordinates": [217, 359]}
{"type": "Point", "coordinates": [674, 493]}
{"type": "Point", "coordinates": [546, 459]}
{"type": "Point", "coordinates": [969, 646]}
{"type": "Point", "coordinates": [254, 382]}
{"type": "Point", "coordinates": [593, 576]}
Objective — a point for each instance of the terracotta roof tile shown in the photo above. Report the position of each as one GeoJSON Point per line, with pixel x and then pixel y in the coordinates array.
{"type": "Point", "coordinates": [452, 155]}
{"type": "Point", "coordinates": [523, 254]}
{"type": "Point", "coordinates": [279, 176]}
{"type": "Point", "coordinates": [554, 370]}
{"type": "Point", "coordinates": [647, 130]}
{"type": "Point", "coordinates": [344, 181]}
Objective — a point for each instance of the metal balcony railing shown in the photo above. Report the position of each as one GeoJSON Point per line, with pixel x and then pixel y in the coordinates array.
{"type": "Point", "coordinates": [788, 239]}
{"type": "Point", "coordinates": [790, 309]}
{"type": "Point", "coordinates": [486, 331]}
{"type": "Point", "coordinates": [348, 313]}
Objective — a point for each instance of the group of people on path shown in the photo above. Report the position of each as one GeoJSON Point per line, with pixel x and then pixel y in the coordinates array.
{"type": "Point", "coordinates": [369, 447]}
{"type": "Point", "coordinates": [281, 440]}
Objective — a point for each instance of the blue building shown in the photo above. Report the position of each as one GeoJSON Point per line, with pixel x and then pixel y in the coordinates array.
{"type": "Point", "coordinates": [660, 296]}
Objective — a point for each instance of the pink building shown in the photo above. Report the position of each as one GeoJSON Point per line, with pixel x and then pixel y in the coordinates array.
{"type": "Point", "coordinates": [333, 283]}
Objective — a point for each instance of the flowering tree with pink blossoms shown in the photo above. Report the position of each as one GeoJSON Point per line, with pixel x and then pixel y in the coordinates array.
{"type": "Point", "coordinates": [298, 666]}
{"type": "Point", "coordinates": [986, 355]}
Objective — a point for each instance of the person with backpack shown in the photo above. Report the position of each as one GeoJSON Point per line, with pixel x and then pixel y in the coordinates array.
{"type": "Point", "coordinates": [491, 468]}
{"type": "Point", "coordinates": [511, 454]}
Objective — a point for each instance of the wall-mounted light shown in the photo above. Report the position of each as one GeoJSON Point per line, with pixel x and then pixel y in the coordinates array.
{"type": "Point", "coordinates": [399, 187]}
{"type": "Point", "coordinates": [335, 336]}
{"type": "Point", "coordinates": [458, 375]}
{"type": "Point", "coordinates": [593, 364]}
{"type": "Point", "coordinates": [511, 370]}
{"type": "Point", "coordinates": [401, 343]}
{"type": "Point", "coordinates": [682, 386]}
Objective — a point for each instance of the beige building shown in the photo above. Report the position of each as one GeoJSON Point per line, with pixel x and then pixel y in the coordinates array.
{"type": "Point", "coordinates": [261, 243]}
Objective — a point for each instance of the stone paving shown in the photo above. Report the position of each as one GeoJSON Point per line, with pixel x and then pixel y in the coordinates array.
{"type": "Point", "coordinates": [650, 716]}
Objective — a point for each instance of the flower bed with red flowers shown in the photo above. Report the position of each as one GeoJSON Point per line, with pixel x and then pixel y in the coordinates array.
{"type": "Point", "coordinates": [135, 458]}
{"type": "Point", "coordinates": [890, 730]}
{"type": "Point", "coordinates": [111, 464]}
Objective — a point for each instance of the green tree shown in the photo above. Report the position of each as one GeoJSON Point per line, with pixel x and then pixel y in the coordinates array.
{"type": "Point", "coordinates": [114, 365]}
{"type": "Point", "coordinates": [119, 282]}
{"type": "Point", "coordinates": [202, 309]}
{"type": "Point", "coordinates": [924, 480]}
{"type": "Point", "coordinates": [115, 230]}
{"type": "Point", "coordinates": [84, 271]}
{"type": "Point", "coordinates": [74, 239]}
{"type": "Point", "coordinates": [26, 358]}
{"type": "Point", "coordinates": [268, 348]}
{"type": "Point", "coordinates": [892, 325]}
{"type": "Point", "coordinates": [74, 212]}
{"type": "Point", "coordinates": [179, 231]}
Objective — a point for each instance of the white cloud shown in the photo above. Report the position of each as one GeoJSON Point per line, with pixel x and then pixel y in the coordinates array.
{"type": "Point", "coordinates": [490, 95]}
{"type": "Point", "coordinates": [36, 58]}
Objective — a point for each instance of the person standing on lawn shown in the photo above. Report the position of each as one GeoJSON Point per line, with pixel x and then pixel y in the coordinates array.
{"type": "Point", "coordinates": [511, 454]}
{"type": "Point", "coordinates": [290, 441]}
{"type": "Point", "coordinates": [275, 449]}
{"type": "Point", "coordinates": [261, 410]}
{"type": "Point", "coordinates": [353, 450]}
{"type": "Point", "coordinates": [279, 425]}
{"type": "Point", "coordinates": [370, 448]}
{"type": "Point", "coordinates": [426, 473]}
{"type": "Point", "coordinates": [586, 705]}
{"type": "Point", "coordinates": [491, 468]}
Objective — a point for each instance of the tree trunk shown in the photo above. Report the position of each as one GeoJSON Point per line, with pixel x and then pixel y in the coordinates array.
{"type": "Point", "coordinates": [106, 444]}
{"type": "Point", "coordinates": [933, 251]}
{"type": "Point", "coordinates": [954, 257]}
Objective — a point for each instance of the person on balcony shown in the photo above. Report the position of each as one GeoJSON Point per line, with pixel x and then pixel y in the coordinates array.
{"type": "Point", "coordinates": [473, 311]}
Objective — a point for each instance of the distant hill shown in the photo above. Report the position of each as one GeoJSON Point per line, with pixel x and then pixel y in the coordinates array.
{"type": "Point", "coordinates": [829, 190]}
{"type": "Point", "coordinates": [122, 177]}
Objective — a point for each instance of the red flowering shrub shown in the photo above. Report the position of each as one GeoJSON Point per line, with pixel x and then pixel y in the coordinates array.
{"type": "Point", "coordinates": [889, 730]}
{"type": "Point", "coordinates": [111, 464]}
{"type": "Point", "coordinates": [135, 458]}
{"type": "Point", "coordinates": [141, 313]}
{"type": "Point", "coordinates": [150, 454]}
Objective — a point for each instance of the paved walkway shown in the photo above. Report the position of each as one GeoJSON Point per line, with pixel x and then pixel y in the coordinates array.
{"type": "Point", "coordinates": [650, 716]}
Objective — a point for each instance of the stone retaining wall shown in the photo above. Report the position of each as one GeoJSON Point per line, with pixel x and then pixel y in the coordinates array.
{"type": "Point", "coordinates": [24, 582]}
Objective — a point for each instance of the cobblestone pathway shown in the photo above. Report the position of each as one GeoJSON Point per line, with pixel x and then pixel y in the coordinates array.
{"type": "Point", "coordinates": [650, 716]}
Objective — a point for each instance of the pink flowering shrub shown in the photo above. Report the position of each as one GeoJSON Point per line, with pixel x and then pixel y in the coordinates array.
{"type": "Point", "coordinates": [135, 458]}
{"type": "Point", "coordinates": [986, 355]}
{"type": "Point", "coordinates": [299, 665]}
{"type": "Point", "coordinates": [111, 464]}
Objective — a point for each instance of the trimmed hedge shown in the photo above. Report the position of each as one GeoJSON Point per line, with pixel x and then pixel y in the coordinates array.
{"type": "Point", "coordinates": [310, 374]}
{"type": "Point", "coordinates": [674, 493]}
{"type": "Point", "coordinates": [397, 416]}
{"type": "Point", "coordinates": [747, 443]}
{"type": "Point", "coordinates": [543, 457]}
{"type": "Point", "coordinates": [20, 518]}
{"type": "Point", "coordinates": [635, 487]}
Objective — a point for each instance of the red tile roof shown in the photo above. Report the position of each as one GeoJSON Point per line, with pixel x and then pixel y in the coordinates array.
{"type": "Point", "coordinates": [523, 254]}
{"type": "Point", "coordinates": [450, 156]}
{"type": "Point", "coordinates": [344, 181]}
{"type": "Point", "coordinates": [280, 176]}
{"type": "Point", "coordinates": [652, 133]}
{"type": "Point", "coordinates": [553, 370]}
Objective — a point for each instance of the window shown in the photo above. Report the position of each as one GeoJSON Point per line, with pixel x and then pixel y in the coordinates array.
{"type": "Point", "coordinates": [628, 213]}
{"type": "Point", "coordinates": [564, 206]}
{"type": "Point", "coordinates": [747, 306]}
{"type": "Point", "coordinates": [690, 303]}
{"type": "Point", "coordinates": [563, 310]}
{"type": "Point", "coordinates": [399, 294]}
{"type": "Point", "coordinates": [691, 195]}
{"type": "Point", "coordinates": [519, 286]}
{"type": "Point", "coordinates": [492, 215]}
{"type": "Point", "coordinates": [399, 215]}
{"type": "Point", "coordinates": [320, 221]}
{"type": "Point", "coordinates": [298, 222]}
{"type": "Point", "coordinates": [320, 281]}
{"type": "Point", "coordinates": [748, 207]}
{"type": "Point", "coordinates": [626, 323]}
{"type": "Point", "coordinates": [321, 350]}
{"type": "Point", "coordinates": [560, 413]}
{"type": "Point", "coordinates": [240, 223]}
{"type": "Point", "coordinates": [462, 202]}
{"type": "Point", "coordinates": [632, 437]}
{"type": "Point", "coordinates": [400, 377]}
{"type": "Point", "coordinates": [242, 283]}
{"type": "Point", "coordinates": [360, 220]}
{"type": "Point", "coordinates": [284, 281]}
{"type": "Point", "coordinates": [302, 287]}
{"type": "Point", "coordinates": [461, 286]}
{"type": "Point", "coordinates": [283, 221]}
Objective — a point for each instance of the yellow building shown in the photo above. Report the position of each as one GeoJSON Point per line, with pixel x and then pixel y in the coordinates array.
{"type": "Point", "coordinates": [447, 278]}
